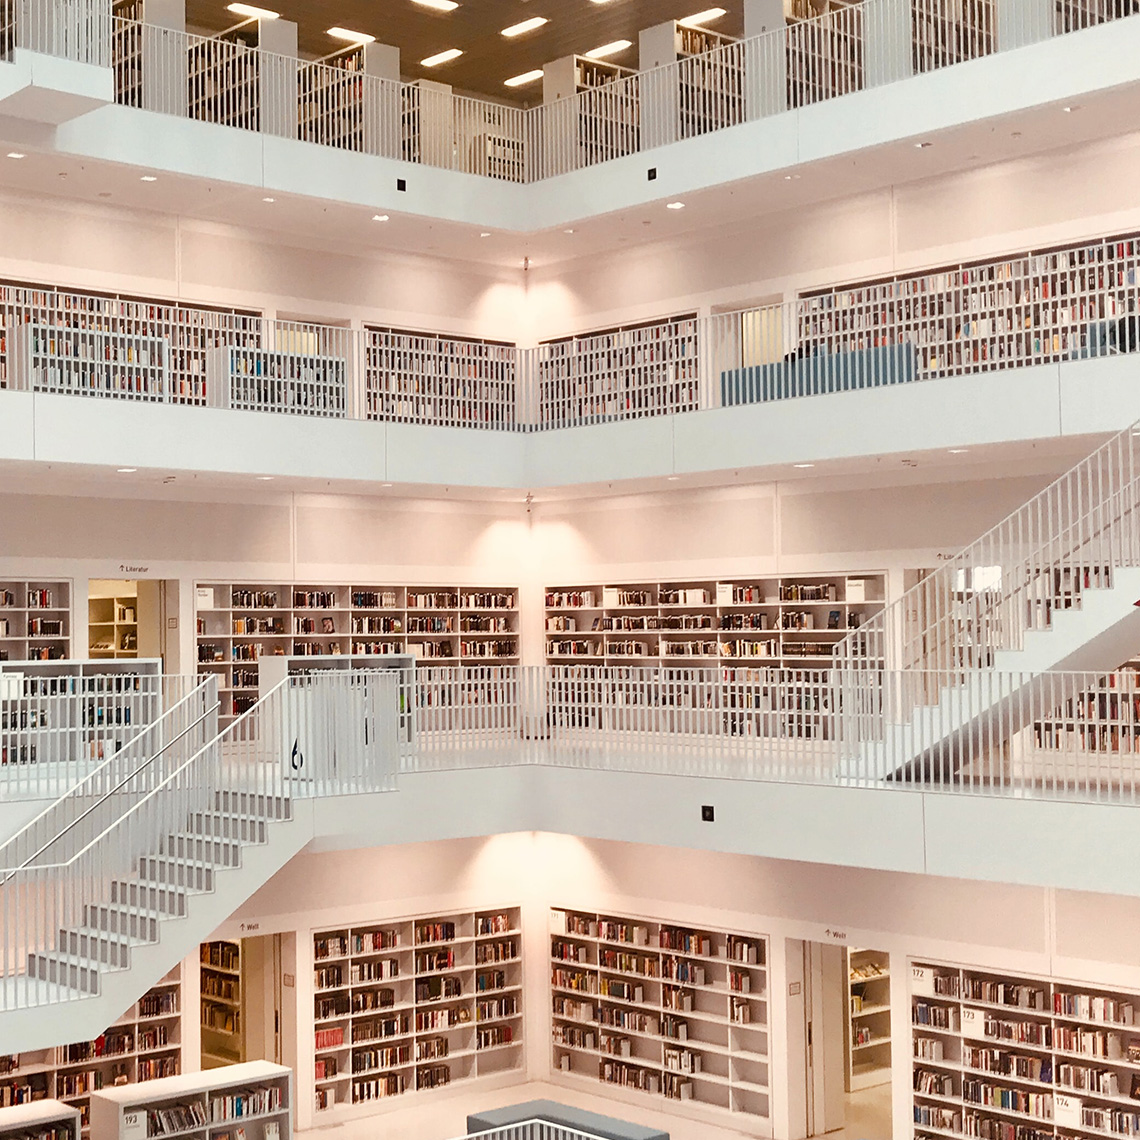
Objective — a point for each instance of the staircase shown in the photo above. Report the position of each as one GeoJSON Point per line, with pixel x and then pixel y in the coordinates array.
{"type": "Point", "coordinates": [972, 653]}
{"type": "Point", "coordinates": [121, 878]}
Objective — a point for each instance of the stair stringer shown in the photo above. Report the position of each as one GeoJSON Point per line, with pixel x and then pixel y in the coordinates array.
{"type": "Point", "coordinates": [85, 1016]}
{"type": "Point", "coordinates": [1097, 636]}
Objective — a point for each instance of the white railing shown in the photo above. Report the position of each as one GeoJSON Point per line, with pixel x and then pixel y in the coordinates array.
{"type": "Point", "coordinates": [1056, 735]}
{"type": "Point", "coordinates": [1073, 536]}
{"type": "Point", "coordinates": [811, 60]}
{"type": "Point", "coordinates": [50, 739]}
{"type": "Point", "coordinates": [535, 1129]}
{"type": "Point", "coordinates": [137, 834]}
{"type": "Point", "coordinates": [77, 30]}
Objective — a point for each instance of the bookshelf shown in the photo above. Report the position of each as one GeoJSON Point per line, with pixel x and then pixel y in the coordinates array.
{"type": "Point", "coordinates": [993, 1052]}
{"type": "Point", "coordinates": [231, 84]}
{"type": "Point", "coordinates": [95, 362]}
{"type": "Point", "coordinates": [1036, 307]}
{"type": "Point", "coordinates": [260, 380]}
{"type": "Point", "coordinates": [145, 1044]}
{"type": "Point", "coordinates": [825, 57]}
{"type": "Point", "coordinates": [251, 1101]}
{"type": "Point", "coordinates": [663, 1009]}
{"type": "Point", "coordinates": [868, 1051]}
{"type": "Point", "coordinates": [187, 332]}
{"type": "Point", "coordinates": [619, 373]}
{"type": "Point", "coordinates": [35, 620]}
{"type": "Point", "coordinates": [238, 623]}
{"type": "Point", "coordinates": [222, 993]}
{"type": "Point", "coordinates": [113, 624]}
{"type": "Point", "coordinates": [791, 622]}
{"type": "Point", "coordinates": [42, 1120]}
{"type": "Point", "coordinates": [592, 108]}
{"type": "Point", "coordinates": [408, 1005]}
{"type": "Point", "coordinates": [346, 103]}
{"type": "Point", "coordinates": [947, 33]}
{"type": "Point", "coordinates": [113, 702]}
{"type": "Point", "coordinates": [422, 377]}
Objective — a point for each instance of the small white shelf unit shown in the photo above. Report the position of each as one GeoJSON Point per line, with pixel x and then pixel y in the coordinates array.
{"type": "Point", "coordinates": [415, 1004]}
{"type": "Point", "coordinates": [251, 1101]}
{"type": "Point", "coordinates": [262, 380]}
{"type": "Point", "coordinates": [95, 362]}
{"type": "Point", "coordinates": [35, 620]}
{"type": "Point", "coordinates": [222, 989]}
{"type": "Point", "coordinates": [40, 1120]}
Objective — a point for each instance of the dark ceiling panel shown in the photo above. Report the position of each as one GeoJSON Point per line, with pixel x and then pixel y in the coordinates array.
{"type": "Point", "coordinates": [575, 27]}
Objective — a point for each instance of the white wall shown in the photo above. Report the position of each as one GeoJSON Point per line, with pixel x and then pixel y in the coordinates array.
{"type": "Point", "coordinates": [1018, 204]}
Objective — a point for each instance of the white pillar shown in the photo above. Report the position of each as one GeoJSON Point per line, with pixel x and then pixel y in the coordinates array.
{"type": "Point", "coordinates": [888, 34]}
{"type": "Point", "coordinates": [660, 92]}
{"type": "Point", "coordinates": [766, 58]}
{"type": "Point", "coordinates": [1021, 22]}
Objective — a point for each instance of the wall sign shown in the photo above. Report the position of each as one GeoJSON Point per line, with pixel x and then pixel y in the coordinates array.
{"type": "Point", "coordinates": [922, 981]}
{"type": "Point", "coordinates": [134, 1124]}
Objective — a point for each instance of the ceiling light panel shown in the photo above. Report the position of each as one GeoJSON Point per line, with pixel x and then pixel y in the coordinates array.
{"type": "Point", "coordinates": [349, 36]}
{"type": "Point", "coordinates": [705, 17]}
{"type": "Point", "coordinates": [531, 25]}
{"type": "Point", "coordinates": [524, 79]}
{"type": "Point", "coordinates": [609, 49]}
{"type": "Point", "coordinates": [438, 5]}
{"type": "Point", "coordinates": [252, 12]}
{"type": "Point", "coordinates": [441, 57]}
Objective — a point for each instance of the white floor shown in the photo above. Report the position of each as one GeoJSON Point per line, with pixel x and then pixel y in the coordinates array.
{"type": "Point", "coordinates": [440, 1117]}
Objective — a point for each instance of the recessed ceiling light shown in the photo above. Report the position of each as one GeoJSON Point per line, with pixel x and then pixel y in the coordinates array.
{"type": "Point", "coordinates": [791, 178]}
{"type": "Point", "coordinates": [441, 57]}
{"type": "Point", "coordinates": [522, 80]}
{"type": "Point", "coordinates": [922, 145]}
{"type": "Point", "coordinates": [127, 470]}
{"type": "Point", "coordinates": [702, 17]}
{"type": "Point", "coordinates": [959, 450]}
{"type": "Point", "coordinates": [485, 233]}
{"type": "Point", "coordinates": [609, 49]}
{"type": "Point", "coordinates": [673, 478]}
{"type": "Point", "coordinates": [16, 154]}
{"type": "Point", "coordinates": [385, 484]}
{"type": "Point", "coordinates": [350, 36]}
{"type": "Point", "coordinates": [567, 231]}
{"type": "Point", "coordinates": [675, 206]}
{"type": "Point", "coordinates": [803, 464]}
{"type": "Point", "coordinates": [265, 478]}
{"type": "Point", "coordinates": [1070, 109]}
{"type": "Point", "coordinates": [525, 26]}
{"type": "Point", "coordinates": [438, 5]}
{"type": "Point", "coordinates": [269, 199]}
{"type": "Point", "coordinates": [148, 178]}
{"type": "Point", "coordinates": [380, 217]}
{"type": "Point", "coordinates": [253, 12]}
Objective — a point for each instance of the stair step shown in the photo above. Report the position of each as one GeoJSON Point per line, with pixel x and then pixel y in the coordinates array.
{"type": "Point", "coordinates": [119, 919]}
{"type": "Point", "coordinates": [96, 946]}
{"type": "Point", "coordinates": [165, 871]}
{"type": "Point", "coordinates": [243, 829]}
{"type": "Point", "coordinates": [202, 849]}
{"type": "Point", "coordinates": [80, 974]}
{"type": "Point", "coordinates": [154, 897]}
{"type": "Point", "coordinates": [256, 804]}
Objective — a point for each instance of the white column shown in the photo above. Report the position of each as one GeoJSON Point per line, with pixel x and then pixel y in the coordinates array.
{"type": "Point", "coordinates": [164, 82]}
{"type": "Point", "coordinates": [766, 58]}
{"type": "Point", "coordinates": [888, 32]}
{"type": "Point", "coordinates": [277, 40]}
{"type": "Point", "coordinates": [382, 130]}
{"type": "Point", "coordinates": [660, 91]}
{"type": "Point", "coordinates": [1021, 22]}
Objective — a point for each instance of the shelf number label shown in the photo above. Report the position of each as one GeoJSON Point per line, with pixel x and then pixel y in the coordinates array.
{"type": "Point", "coordinates": [974, 1024]}
{"type": "Point", "coordinates": [134, 1125]}
{"type": "Point", "coordinates": [1067, 1110]}
{"type": "Point", "coordinates": [922, 981]}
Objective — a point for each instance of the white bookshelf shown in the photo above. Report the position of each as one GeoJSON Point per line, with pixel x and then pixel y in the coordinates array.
{"type": "Point", "coordinates": [240, 623]}
{"type": "Point", "coordinates": [1053, 1058]}
{"type": "Point", "coordinates": [112, 625]}
{"type": "Point", "coordinates": [261, 380]}
{"type": "Point", "coordinates": [792, 621]}
{"type": "Point", "coordinates": [251, 1101]}
{"type": "Point", "coordinates": [35, 620]}
{"type": "Point", "coordinates": [413, 1004]}
{"type": "Point", "coordinates": [593, 108]}
{"type": "Point", "coordinates": [41, 1120]}
{"type": "Point", "coordinates": [222, 988]}
{"type": "Point", "coordinates": [95, 362]}
{"type": "Point", "coordinates": [112, 702]}
{"type": "Point", "coordinates": [424, 377]}
{"type": "Point", "coordinates": [144, 1045]}
{"type": "Point", "coordinates": [661, 1008]}
{"type": "Point", "coordinates": [868, 1051]}
{"type": "Point", "coordinates": [351, 100]}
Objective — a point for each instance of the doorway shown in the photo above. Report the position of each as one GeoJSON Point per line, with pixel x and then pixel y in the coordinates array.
{"type": "Point", "coordinates": [247, 996]}
{"type": "Point", "coordinates": [839, 1076]}
{"type": "Point", "coordinates": [127, 618]}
